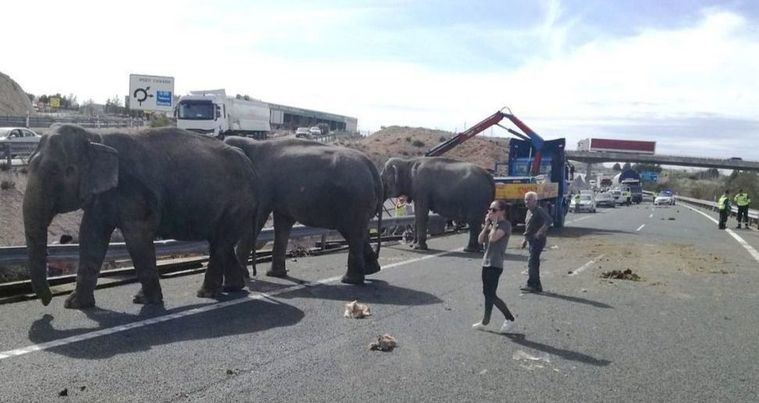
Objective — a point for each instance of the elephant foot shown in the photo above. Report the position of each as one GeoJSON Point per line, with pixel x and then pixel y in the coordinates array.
{"type": "Point", "coordinates": [208, 293]}
{"type": "Point", "coordinates": [277, 273]}
{"type": "Point", "coordinates": [420, 246]}
{"type": "Point", "coordinates": [143, 299]}
{"type": "Point", "coordinates": [372, 267]}
{"type": "Point", "coordinates": [79, 301]}
{"type": "Point", "coordinates": [350, 278]}
{"type": "Point", "coordinates": [470, 249]}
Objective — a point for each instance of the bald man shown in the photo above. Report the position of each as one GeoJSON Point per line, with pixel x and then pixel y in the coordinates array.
{"type": "Point", "coordinates": [536, 224]}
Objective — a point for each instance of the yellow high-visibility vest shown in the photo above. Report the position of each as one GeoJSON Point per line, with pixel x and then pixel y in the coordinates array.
{"type": "Point", "coordinates": [742, 199]}
{"type": "Point", "coordinates": [721, 202]}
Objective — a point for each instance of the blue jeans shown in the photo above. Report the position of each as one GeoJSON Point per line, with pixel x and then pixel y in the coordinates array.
{"type": "Point", "coordinates": [533, 265]}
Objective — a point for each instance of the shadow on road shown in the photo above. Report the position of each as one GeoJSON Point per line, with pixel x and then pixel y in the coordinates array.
{"type": "Point", "coordinates": [374, 291]}
{"type": "Point", "coordinates": [576, 232]}
{"type": "Point", "coordinates": [574, 299]}
{"type": "Point", "coordinates": [519, 338]}
{"type": "Point", "coordinates": [247, 317]}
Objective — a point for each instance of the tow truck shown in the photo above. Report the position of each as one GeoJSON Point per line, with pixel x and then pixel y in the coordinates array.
{"type": "Point", "coordinates": [534, 165]}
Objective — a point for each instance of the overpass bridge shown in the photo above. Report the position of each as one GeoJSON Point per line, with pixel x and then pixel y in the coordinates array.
{"type": "Point", "coordinates": [592, 157]}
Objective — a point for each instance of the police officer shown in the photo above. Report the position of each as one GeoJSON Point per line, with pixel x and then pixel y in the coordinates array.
{"type": "Point", "coordinates": [742, 201]}
{"type": "Point", "coordinates": [723, 205]}
{"type": "Point", "coordinates": [627, 196]}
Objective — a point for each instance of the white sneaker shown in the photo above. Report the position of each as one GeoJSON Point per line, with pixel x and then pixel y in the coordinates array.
{"type": "Point", "coordinates": [479, 326]}
{"type": "Point", "coordinates": [506, 326]}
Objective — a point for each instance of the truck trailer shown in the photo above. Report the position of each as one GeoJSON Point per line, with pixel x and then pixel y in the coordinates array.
{"type": "Point", "coordinates": [213, 113]}
{"type": "Point", "coordinates": [617, 146]}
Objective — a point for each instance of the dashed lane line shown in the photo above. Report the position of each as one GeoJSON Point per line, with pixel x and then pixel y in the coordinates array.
{"type": "Point", "coordinates": [586, 265]}
{"type": "Point", "coordinates": [651, 215]}
{"type": "Point", "coordinates": [732, 233]}
{"type": "Point", "coordinates": [640, 228]}
{"type": "Point", "coordinates": [206, 308]}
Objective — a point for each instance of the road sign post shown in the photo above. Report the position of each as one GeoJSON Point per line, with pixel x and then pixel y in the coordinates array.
{"type": "Point", "coordinates": [151, 93]}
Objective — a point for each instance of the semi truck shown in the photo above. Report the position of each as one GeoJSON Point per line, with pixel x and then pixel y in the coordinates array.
{"type": "Point", "coordinates": [533, 165]}
{"type": "Point", "coordinates": [213, 113]}
{"type": "Point", "coordinates": [619, 146]}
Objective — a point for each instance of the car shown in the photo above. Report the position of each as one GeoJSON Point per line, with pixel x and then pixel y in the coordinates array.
{"type": "Point", "coordinates": [583, 202]}
{"type": "Point", "coordinates": [605, 199]}
{"type": "Point", "coordinates": [736, 159]}
{"type": "Point", "coordinates": [18, 134]}
{"type": "Point", "coordinates": [24, 139]}
{"type": "Point", "coordinates": [315, 131]}
{"type": "Point", "coordinates": [664, 198]}
{"type": "Point", "coordinates": [303, 132]}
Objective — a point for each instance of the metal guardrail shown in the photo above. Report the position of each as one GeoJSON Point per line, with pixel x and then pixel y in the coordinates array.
{"type": "Point", "coordinates": [118, 250]}
{"type": "Point", "coordinates": [91, 122]}
{"type": "Point", "coordinates": [18, 149]}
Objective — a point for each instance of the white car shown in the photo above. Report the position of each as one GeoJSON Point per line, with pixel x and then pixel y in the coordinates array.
{"type": "Point", "coordinates": [617, 195]}
{"type": "Point", "coordinates": [664, 198]}
{"type": "Point", "coordinates": [605, 199]}
{"type": "Point", "coordinates": [18, 134]}
{"type": "Point", "coordinates": [303, 132]}
{"type": "Point", "coordinates": [583, 202]}
{"type": "Point", "coordinates": [315, 131]}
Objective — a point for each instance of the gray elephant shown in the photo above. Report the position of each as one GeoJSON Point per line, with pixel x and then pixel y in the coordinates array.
{"type": "Point", "coordinates": [166, 183]}
{"type": "Point", "coordinates": [454, 189]}
{"type": "Point", "coordinates": [317, 185]}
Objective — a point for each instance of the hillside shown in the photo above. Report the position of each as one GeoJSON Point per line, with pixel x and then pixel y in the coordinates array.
{"type": "Point", "coordinates": [13, 99]}
{"type": "Point", "coordinates": [401, 141]}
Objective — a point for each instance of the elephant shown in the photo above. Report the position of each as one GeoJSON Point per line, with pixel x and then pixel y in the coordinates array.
{"type": "Point", "coordinates": [454, 189]}
{"type": "Point", "coordinates": [166, 183]}
{"type": "Point", "coordinates": [317, 185]}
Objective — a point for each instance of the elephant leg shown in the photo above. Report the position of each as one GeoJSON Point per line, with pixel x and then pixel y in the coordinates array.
{"type": "Point", "coordinates": [421, 212]}
{"type": "Point", "coordinates": [94, 236]}
{"type": "Point", "coordinates": [474, 232]}
{"type": "Point", "coordinates": [139, 241]}
{"type": "Point", "coordinates": [214, 277]}
{"type": "Point", "coordinates": [356, 265]}
{"type": "Point", "coordinates": [246, 247]}
{"type": "Point", "coordinates": [371, 264]}
{"type": "Point", "coordinates": [282, 227]}
{"type": "Point", "coordinates": [234, 279]}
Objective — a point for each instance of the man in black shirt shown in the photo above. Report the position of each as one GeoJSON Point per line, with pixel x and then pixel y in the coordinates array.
{"type": "Point", "coordinates": [536, 223]}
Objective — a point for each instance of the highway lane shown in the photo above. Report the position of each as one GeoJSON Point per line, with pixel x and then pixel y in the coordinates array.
{"type": "Point", "coordinates": [686, 332]}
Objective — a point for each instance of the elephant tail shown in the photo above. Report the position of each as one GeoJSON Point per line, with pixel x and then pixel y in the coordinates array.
{"type": "Point", "coordinates": [380, 189]}
{"type": "Point", "coordinates": [379, 228]}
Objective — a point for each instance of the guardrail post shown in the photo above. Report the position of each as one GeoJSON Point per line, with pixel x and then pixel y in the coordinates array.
{"type": "Point", "coordinates": [7, 148]}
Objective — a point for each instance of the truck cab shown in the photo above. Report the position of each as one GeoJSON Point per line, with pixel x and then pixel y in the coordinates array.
{"type": "Point", "coordinates": [204, 114]}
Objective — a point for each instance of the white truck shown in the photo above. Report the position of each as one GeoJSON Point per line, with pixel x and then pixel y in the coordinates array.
{"type": "Point", "coordinates": [213, 113]}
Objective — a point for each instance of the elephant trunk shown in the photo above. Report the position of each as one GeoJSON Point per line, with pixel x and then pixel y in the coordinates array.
{"type": "Point", "coordinates": [37, 216]}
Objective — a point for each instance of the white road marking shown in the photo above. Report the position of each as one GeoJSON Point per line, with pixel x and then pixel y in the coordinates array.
{"type": "Point", "coordinates": [640, 228]}
{"type": "Point", "coordinates": [580, 219]}
{"type": "Point", "coordinates": [586, 265]}
{"type": "Point", "coordinates": [206, 308]}
{"type": "Point", "coordinates": [732, 233]}
{"type": "Point", "coordinates": [651, 216]}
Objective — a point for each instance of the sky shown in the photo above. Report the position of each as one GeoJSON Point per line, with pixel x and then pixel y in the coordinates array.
{"type": "Point", "coordinates": [682, 73]}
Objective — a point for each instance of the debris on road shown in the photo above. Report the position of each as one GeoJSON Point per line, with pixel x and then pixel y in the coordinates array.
{"type": "Point", "coordinates": [356, 310]}
{"type": "Point", "coordinates": [530, 361]}
{"type": "Point", "coordinates": [621, 275]}
{"type": "Point", "coordinates": [385, 342]}
{"type": "Point", "coordinates": [64, 392]}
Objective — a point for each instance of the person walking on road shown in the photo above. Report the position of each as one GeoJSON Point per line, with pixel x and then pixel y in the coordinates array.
{"type": "Point", "coordinates": [742, 201]}
{"type": "Point", "coordinates": [495, 236]}
{"type": "Point", "coordinates": [536, 225]}
{"type": "Point", "coordinates": [723, 205]}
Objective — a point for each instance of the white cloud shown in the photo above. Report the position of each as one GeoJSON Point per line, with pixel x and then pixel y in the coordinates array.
{"type": "Point", "coordinates": [706, 68]}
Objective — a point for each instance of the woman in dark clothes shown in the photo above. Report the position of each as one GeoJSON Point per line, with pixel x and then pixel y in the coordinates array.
{"type": "Point", "coordinates": [495, 236]}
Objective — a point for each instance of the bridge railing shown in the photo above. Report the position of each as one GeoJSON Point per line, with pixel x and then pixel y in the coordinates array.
{"type": "Point", "coordinates": [118, 250]}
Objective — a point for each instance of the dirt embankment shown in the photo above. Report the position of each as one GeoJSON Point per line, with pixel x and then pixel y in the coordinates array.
{"type": "Point", "coordinates": [402, 141]}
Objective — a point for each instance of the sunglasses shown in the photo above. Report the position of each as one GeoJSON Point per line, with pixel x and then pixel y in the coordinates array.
{"type": "Point", "coordinates": [493, 209]}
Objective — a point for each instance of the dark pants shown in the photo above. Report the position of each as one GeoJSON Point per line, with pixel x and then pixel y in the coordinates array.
{"type": "Point", "coordinates": [533, 265]}
{"type": "Point", "coordinates": [723, 218]}
{"type": "Point", "coordinates": [743, 214]}
{"type": "Point", "coordinates": [490, 276]}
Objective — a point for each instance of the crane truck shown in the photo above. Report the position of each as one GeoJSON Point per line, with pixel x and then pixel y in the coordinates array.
{"type": "Point", "coordinates": [533, 165]}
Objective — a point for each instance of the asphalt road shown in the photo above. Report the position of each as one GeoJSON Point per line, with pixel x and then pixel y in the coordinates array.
{"type": "Point", "coordinates": [687, 331]}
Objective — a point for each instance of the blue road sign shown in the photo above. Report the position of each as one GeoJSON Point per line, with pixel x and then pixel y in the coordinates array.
{"type": "Point", "coordinates": [163, 98]}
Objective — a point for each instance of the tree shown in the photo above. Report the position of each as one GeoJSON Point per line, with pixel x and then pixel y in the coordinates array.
{"type": "Point", "coordinates": [647, 168]}
{"type": "Point", "coordinates": [616, 167]}
{"type": "Point", "coordinates": [626, 166]}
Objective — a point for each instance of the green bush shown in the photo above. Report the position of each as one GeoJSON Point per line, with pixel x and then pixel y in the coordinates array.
{"type": "Point", "coordinates": [417, 143]}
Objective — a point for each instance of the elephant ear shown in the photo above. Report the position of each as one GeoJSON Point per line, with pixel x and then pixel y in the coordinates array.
{"type": "Point", "coordinates": [102, 174]}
